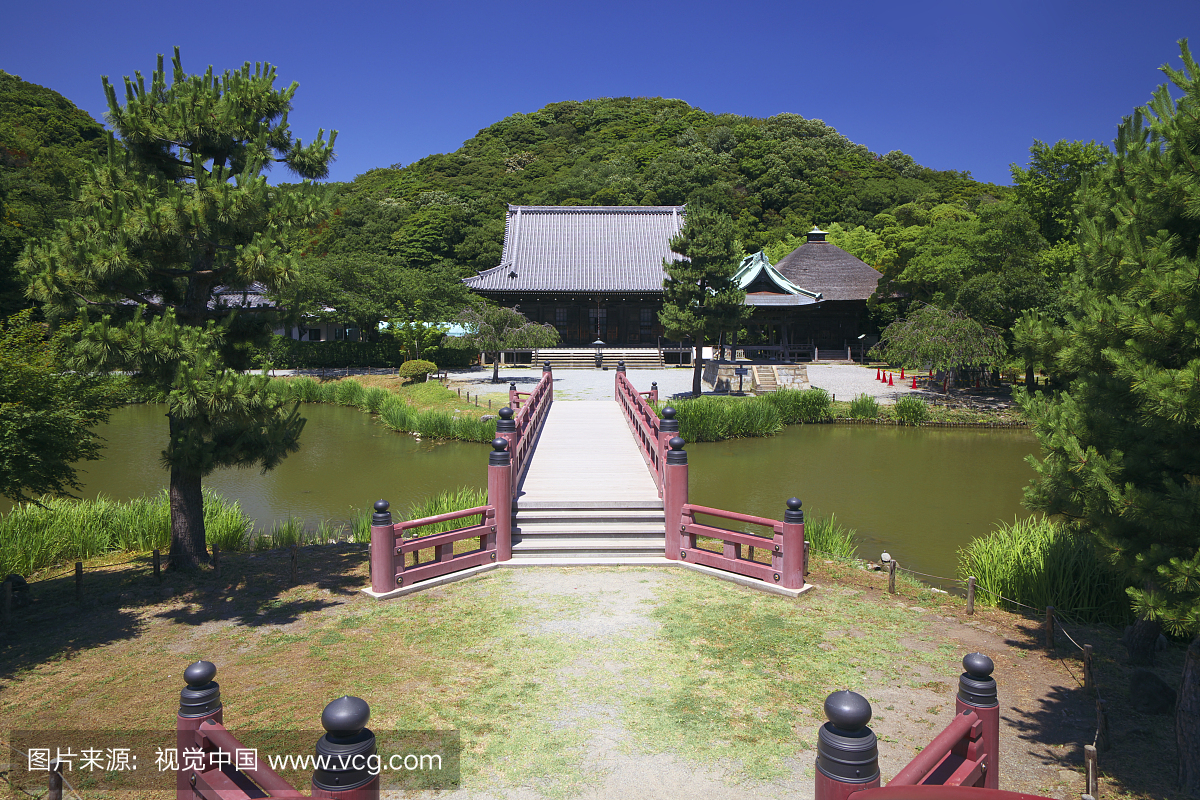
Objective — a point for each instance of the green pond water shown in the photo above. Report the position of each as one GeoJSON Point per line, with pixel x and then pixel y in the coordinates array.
{"type": "Point", "coordinates": [919, 494]}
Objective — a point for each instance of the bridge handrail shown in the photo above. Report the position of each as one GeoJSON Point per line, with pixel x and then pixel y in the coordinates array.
{"type": "Point", "coordinates": [223, 740]}
{"type": "Point", "coordinates": [964, 726]}
{"type": "Point", "coordinates": [938, 792]}
{"type": "Point", "coordinates": [734, 516]}
{"type": "Point", "coordinates": [644, 423]}
{"type": "Point", "coordinates": [529, 419]}
{"type": "Point", "coordinates": [409, 524]}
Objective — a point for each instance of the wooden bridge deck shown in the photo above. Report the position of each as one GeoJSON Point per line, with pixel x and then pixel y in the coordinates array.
{"type": "Point", "coordinates": [586, 455]}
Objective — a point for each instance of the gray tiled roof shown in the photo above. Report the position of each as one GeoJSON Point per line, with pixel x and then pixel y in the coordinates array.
{"type": "Point", "coordinates": [583, 249]}
{"type": "Point", "coordinates": [827, 268]}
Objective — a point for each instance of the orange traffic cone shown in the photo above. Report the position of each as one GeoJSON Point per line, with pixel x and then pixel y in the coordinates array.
{"type": "Point", "coordinates": [877, 376]}
{"type": "Point", "coordinates": [914, 382]}
{"type": "Point", "coordinates": [890, 380]}
{"type": "Point", "coordinates": [902, 373]}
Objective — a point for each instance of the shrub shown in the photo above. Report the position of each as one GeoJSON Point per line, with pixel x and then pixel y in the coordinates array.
{"type": "Point", "coordinates": [417, 368]}
{"type": "Point", "coordinates": [815, 405]}
{"type": "Point", "coordinates": [1041, 563]}
{"type": "Point", "coordinates": [864, 407]}
{"type": "Point", "coordinates": [911, 410]}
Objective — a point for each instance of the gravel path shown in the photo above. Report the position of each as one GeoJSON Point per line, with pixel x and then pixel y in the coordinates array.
{"type": "Point", "coordinates": [841, 380]}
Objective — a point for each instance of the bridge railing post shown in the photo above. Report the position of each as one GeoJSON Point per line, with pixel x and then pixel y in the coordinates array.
{"type": "Point", "coordinates": [675, 495]}
{"type": "Point", "coordinates": [348, 747]}
{"type": "Point", "coordinates": [847, 751]}
{"type": "Point", "coordinates": [500, 493]}
{"type": "Point", "coordinates": [977, 692]}
{"type": "Point", "coordinates": [617, 379]}
{"type": "Point", "coordinates": [383, 549]}
{"type": "Point", "coordinates": [549, 389]}
{"type": "Point", "coordinates": [513, 400]}
{"type": "Point", "coordinates": [506, 428]}
{"type": "Point", "coordinates": [668, 429]}
{"type": "Point", "coordinates": [653, 392]}
{"type": "Point", "coordinates": [199, 701]}
{"type": "Point", "coordinates": [792, 568]}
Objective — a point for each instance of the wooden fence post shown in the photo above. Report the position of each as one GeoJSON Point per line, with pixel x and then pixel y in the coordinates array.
{"type": "Point", "coordinates": [293, 565]}
{"type": "Point", "coordinates": [216, 560]}
{"type": "Point", "coordinates": [892, 575]}
{"type": "Point", "coordinates": [157, 566]}
{"type": "Point", "coordinates": [1091, 765]}
{"type": "Point", "coordinates": [1089, 681]}
{"type": "Point", "coordinates": [1049, 628]}
{"type": "Point", "coordinates": [54, 789]}
{"type": "Point", "coordinates": [1102, 742]}
{"type": "Point", "coordinates": [8, 590]}
{"type": "Point", "coordinates": [78, 581]}
{"type": "Point", "coordinates": [971, 595]}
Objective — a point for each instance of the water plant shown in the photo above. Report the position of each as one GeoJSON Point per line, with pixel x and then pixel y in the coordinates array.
{"type": "Point", "coordinates": [910, 410]}
{"type": "Point", "coordinates": [864, 407]}
{"type": "Point", "coordinates": [1038, 562]}
{"type": "Point", "coordinates": [829, 537]}
{"type": "Point", "coordinates": [445, 503]}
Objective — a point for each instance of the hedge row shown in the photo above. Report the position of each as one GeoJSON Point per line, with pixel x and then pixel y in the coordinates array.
{"type": "Point", "coordinates": [284, 353]}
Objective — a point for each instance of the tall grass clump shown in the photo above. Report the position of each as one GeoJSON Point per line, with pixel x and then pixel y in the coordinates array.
{"type": "Point", "coordinates": [35, 537]}
{"type": "Point", "coordinates": [829, 537]}
{"type": "Point", "coordinates": [816, 405]}
{"type": "Point", "coordinates": [864, 407]}
{"type": "Point", "coordinates": [711, 419]}
{"type": "Point", "coordinates": [435, 425]}
{"type": "Point", "coordinates": [786, 401]}
{"type": "Point", "coordinates": [306, 390]}
{"type": "Point", "coordinates": [399, 416]}
{"type": "Point", "coordinates": [910, 410]}
{"type": "Point", "coordinates": [1040, 563]}
{"type": "Point", "coordinates": [446, 502]}
{"type": "Point", "coordinates": [375, 398]}
{"type": "Point", "coordinates": [755, 417]}
{"type": "Point", "coordinates": [349, 393]}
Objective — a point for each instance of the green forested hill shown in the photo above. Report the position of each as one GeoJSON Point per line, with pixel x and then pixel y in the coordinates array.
{"type": "Point", "coordinates": [45, 142]}
{"type": "Point", "coordinates": [776, 177]}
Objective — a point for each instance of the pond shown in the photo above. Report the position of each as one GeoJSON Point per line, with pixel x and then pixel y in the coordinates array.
{"type": "Point", "coordinates": [918, 493]}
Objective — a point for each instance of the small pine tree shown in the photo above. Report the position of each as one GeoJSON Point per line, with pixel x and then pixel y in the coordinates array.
{"type": "Point", "coordinates": [179, 208]}
{"type": "Point", "coordinates": [1122, 445]}
{"type": "Point", "coordinates": [700, 297]}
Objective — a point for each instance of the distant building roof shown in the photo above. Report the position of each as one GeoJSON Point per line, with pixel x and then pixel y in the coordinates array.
{"type": "Point", "coordinates": [583, 249]}
{"type": "Point", "coordinates": [253, 295]}
{"type": "Point", "coordinates": [840, 275]}
{"type": "Point", "coordinates": [765, 286]}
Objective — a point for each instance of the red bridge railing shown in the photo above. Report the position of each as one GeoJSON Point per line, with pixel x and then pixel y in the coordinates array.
{"type": "Point", "coordinates": [961, 763]}
{"type": "Point", "coordinates": [211, 763]}
{"type": "Point", "coordinates": [392, 542]}
{"type": "Point", "coordinates": [661, 446]}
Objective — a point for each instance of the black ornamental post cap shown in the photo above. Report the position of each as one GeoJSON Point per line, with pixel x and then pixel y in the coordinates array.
{"type": "Point", "coordinates": [620, 366]}
{"type": "Point", "coordinates": [976, 686]}
{"type": "Point", "coordinates": [505, 424]}
{"type": "Point", "coordinates": [849, 712]}
{"type": "Point", "coordinates": [654, 386]}
{"type": "Point", "coordinates": [676, 455]}
{"type": "Point", "coordinates": [382, 516]}
{"type": "Point", "coordinates": [546, 367]}
{"type": "Point", "coordinates": [793, 514]}
{"type": "Point", "coordinates": [346, 747]}
{"type": "Point", "coordinates": [499, 457]}
{"type": "Point", "coordinates": [345, 717]}
{"type": "Point", "coordinates": [202, 695]}
{"type": "Point", "coordinates": [669, 424]}
{"type": "Point", "coordinates": [847, 750]}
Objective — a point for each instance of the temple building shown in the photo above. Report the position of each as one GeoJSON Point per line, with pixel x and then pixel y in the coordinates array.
{"type": "Point", "coordinates": [596, 272]}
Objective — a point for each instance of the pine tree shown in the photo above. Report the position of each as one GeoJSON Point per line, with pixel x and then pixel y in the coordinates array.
{"type": "Point", "coordinates": [180, 208]}
{"type": "Point", "coordinates": [700, 297]}
{"type": "Point", "coordinates": [1122, 444]}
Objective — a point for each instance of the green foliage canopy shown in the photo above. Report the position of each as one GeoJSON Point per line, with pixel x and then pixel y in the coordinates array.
{"type": "Point", "coordinates": [941, 338]}
{"type": "Point", "coordinates": [492, 328]}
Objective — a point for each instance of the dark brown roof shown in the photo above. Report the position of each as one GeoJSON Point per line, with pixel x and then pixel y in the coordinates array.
{"type": "Point", "coordinates": [583, 249]}
{"type": "Point", "coordinates": [829, 269]}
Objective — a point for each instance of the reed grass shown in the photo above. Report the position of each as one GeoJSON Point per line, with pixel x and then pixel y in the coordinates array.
{"type": "Point", "coordinates": [445, 503]}
{"type": "Point", "coordinates": [864, 407]}
{"type": "Point", "coordinates": [1039, 563]}
{"type": "Point", "coordinates": [829, 537]}
{"type": "Point", "coordinates": [35, 537]}
{"type": "Point", "coordinates": [712, 419]}
{"type": "Point", "coordinates": [910, 410]}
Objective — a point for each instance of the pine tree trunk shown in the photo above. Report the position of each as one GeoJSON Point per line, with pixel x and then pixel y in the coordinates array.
{"type": "Point", "coordinates": [495, 367]}
{"type": "Point", "coordinates": [1141, 639]}
{"type": "Point", "coordinates": [1187, 722]}
{"type": "Point", "coordinates": [1030, 379]}
{"type": "Point", "coordinates": [188, 545]}
{"type": "Point", "coordinates": [697, 370]}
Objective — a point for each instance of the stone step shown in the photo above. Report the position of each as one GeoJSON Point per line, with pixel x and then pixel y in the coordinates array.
{"type": "Point", "coordinates": [565, 531]}
{"type": "Point", "coordinates": [587, 505]}
{"type": "Point", "coordinates": [594, 515]}
{"type": "Point", "coordinates": [588, 547]}
{"type": "Point", "coordinates": [590, 561]}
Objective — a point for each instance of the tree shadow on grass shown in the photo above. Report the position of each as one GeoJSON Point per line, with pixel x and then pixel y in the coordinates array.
{"type": "Point", "coordinates": [120, 597]}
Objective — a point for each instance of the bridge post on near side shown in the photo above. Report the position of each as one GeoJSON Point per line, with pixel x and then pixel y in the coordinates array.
{"type": "Point", "coordinates": [675, 495]}
{"type": "Point", "coordinates": [847, 751]}
{"type": "Point", "coordinates": [977, 692]}
{"type": "Point", "coordinates": [617, 381]}
{"type": "Point", "coordinates": [199, 701]}
{"type": "Point", "coordinates": [549, 389]}
{"type": "Point", "coordinates": [500, 493]}
{"type": "Point", "coordinates": [349, 747]}
{"type": "Point", "coordinates": [506, 428]}
{"type": "Point", "coordinates": [668, 428]}
{"type": "Point", "coordinates": [792, 566]}
{"type": "Point", "coordinates": [383, 549]}
{"type": "Point", "coordinates": [513, 400]}
{"type": "Point", "coordinates": [653, 392]}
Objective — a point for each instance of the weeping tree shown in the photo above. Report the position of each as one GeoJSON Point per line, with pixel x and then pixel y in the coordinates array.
{"type": "Point", "coordinates": [491, 329]}
{"type": "Point", "coordinates": [177, 210]}
{"type": "Point", "coordinates": [1121, 446]}
{"type": "Point", "coordinates": [944, 339]}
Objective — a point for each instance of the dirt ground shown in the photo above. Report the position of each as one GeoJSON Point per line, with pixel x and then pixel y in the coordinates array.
{"type": "Point", "coordinates": [580, 682]}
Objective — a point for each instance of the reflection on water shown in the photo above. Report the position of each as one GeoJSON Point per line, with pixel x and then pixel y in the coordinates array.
{"type": "Point", "coordinates": [919, 494]}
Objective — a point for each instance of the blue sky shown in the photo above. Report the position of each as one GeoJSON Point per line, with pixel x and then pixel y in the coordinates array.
{"type": "Point", "coordinates": [958, 85]}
